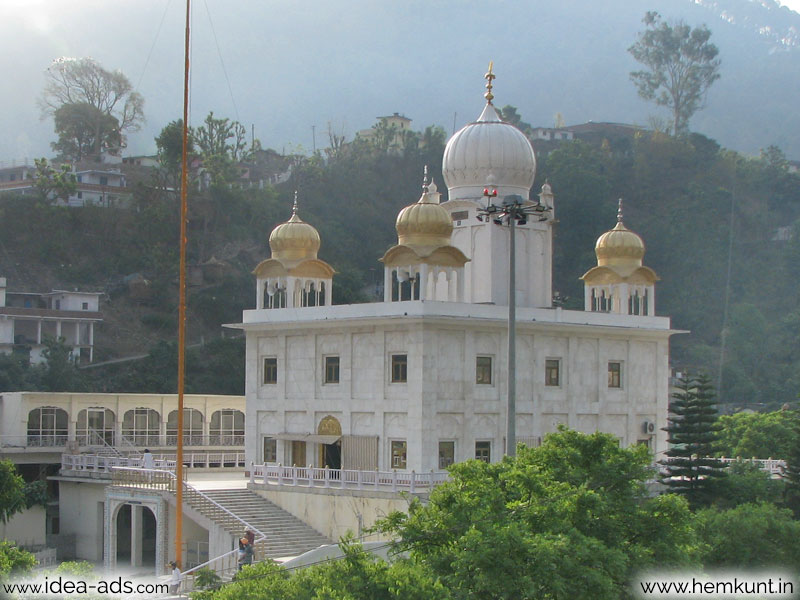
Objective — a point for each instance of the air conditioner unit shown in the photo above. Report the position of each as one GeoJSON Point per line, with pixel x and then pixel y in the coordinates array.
{"type": "Point", "coordinates": [649, 427]}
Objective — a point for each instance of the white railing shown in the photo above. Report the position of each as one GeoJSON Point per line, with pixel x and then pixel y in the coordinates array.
{"type": "Point", "coordinates": [167, 481]}
{"type": "Point", "coordinates": [277, 474]}
{"type": "Point", "coordinates": [773, 466]}
{"type": "Point", "coordinates": [44, 440]}
{"type": "Point", "coordinates": [104, 464]}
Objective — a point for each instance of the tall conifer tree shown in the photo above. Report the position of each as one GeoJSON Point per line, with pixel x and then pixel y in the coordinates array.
{"type": "Point", "coordinates": [690, 469]}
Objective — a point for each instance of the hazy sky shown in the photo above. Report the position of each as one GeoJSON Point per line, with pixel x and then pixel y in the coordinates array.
{"type": "Point", "coordinates": [291, 65]}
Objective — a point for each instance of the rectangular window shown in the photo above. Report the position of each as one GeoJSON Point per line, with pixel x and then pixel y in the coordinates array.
{"type": "Point", "coordinates": [331, 369]}
{"type": "Point", "coordinates": [399, 368]}
{"type": "Point", "coordinates": [270, 450]}
{"type": "Point", "coordinates": [103, 180]}
{"type": "Point", "coordinates": [460, 215]}
{"type": "Point", "coordinates": [399, 450]}
{"type": "Point", "coordinates": [483, 451]}
{"type": "Point", "coordinates": [271, 370]}
{"type": "Point", "coordinates": [85, 306]}
{"type": "Point", "coordinates": [614, 374]}
{"type": "Point", "coordinates": [552, 372]}
{"type": "Point", "coordinates": [483, 370]}
{"type": "Point", "coordinates": [447, 454]}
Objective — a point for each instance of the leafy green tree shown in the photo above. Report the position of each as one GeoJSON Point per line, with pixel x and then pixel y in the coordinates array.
{"type": "Point", "coordinates": [84, 81]}
{"type": "Point", "coordinates": [53, 184]}
{"type": "Point", "coordinates": [85, 131]}
{"type": "Point", "coordinates": [59, 374]}
{"type": "Point", "coordinates": [792, 492]}
{"type": "Point", "coordinates": [746, 483]}
{"type": "Point", "coordinates": [690, 468]}
{"type": "Point", "coordinates": [680, 65]}
{"type": "Point", "coordinates": [569, 519]}
{"type": "Point", "coordinates": [12, 491]}
{"type": "Point", "coordinates": [14, 561]}
{"type": "Point", "coordinates": [759, 435]}
{"type": "Point", "coordinates": [749, 536]}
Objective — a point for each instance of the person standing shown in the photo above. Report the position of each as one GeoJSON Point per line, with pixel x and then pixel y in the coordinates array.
{"type": "Point", "coordinates": [148, 460]}
{"type": "Point", "coordinates": [245, 552]}
{"type": "Point", "coordinates": [175, 578]}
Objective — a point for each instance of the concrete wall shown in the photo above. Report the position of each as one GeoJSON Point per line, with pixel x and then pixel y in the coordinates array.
{"type": "Point", "coordinates": [26, 528]}
{"type": "Point", "coordinates": [81, 515]}
{"type": "Point", "coordinates": [335, 512]}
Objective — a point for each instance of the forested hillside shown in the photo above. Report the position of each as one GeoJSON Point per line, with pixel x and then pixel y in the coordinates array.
{"type": "Point", "coordinates": [721, 230]}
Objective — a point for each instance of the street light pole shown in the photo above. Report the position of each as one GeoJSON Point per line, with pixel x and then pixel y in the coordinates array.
{"type": "Point", "coordinates": [511, 413]}
{"type": "Point", "coordinates": [512, 211]}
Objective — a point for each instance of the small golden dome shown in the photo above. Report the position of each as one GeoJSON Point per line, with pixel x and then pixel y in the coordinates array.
{"type": "Point", "coordinates": [425, 223]}
{"type": "Point", "coordinates": [295, 239]}
{"type": "Point", "coordinates": [620, 246]}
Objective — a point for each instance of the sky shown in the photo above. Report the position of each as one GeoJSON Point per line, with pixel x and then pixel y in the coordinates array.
{"type": "Point", "coordinates": [288, 69]}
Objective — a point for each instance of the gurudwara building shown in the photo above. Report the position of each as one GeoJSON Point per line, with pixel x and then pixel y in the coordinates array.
{"type": "Point", "coordinates": [418, 381]}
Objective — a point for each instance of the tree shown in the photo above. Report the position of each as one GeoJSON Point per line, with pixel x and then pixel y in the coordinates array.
{"type": "Point", "coordinates": [569, 519]}
{"type": "Point", "coordinates": [59, 373]}
{"type": "Point", "coordinates": [681, 65]}
{"type": "Point", "coordinates": [221, 143]}
{"type": "Point", "coordinates": [749, 536]}
{"type": "Point", "coordinates": [792, 490]}
{"type": "Point", "coordinates": [759, 435]}
{"type": "Point", "coordinates": [85, 131]}
{"type": "Point", "coordinates": [690, 469]}
{"type": "Point", "coordinates": [83, 81]}
{"type": "Point", "coordinates": [53, 184]}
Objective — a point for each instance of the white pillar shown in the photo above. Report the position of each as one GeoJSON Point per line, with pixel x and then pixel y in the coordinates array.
{"type": "Point", "coordinates": [423, 282]}
{"type": "Point", "coordinates": [387, 284]}
{"type": "Point", "coordinates": [587, 298]}
{"type": "Point", "coordinates": [259, 293]}
{"type": "Point", "coordinates": [136, 535]}
{"type": "Point", "coordinates": [39, 332]}
{"type": "Point", "coordinates": [328, 292]}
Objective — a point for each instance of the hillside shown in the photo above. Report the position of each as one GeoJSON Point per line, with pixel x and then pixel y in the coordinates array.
{"type": "Point", "coordinates": [710, 219]}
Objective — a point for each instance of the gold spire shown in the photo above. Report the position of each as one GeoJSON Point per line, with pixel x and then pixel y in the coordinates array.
{"type": "Point", "coordinates": [425, 180]}
{"type": "Point", "coordinates": [294, 205]}
{"type": "Point", "coordinates": [619, 211]}
{"type": "Point", "coordinates": [489, 77]}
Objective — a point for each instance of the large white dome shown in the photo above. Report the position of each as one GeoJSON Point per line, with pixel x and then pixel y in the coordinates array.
{"type": "Point", "coordinates": [488, 151]}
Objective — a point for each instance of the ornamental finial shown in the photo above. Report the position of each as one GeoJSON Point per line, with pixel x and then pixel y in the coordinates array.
{"type": "Point", "coordinates": [425, 180]}
{"type": "Point", "coordinates": [619, 211]}
{"type": "Point", "coordinates": [489, 77]}
{"type": "Point", "coordinates": [294, 205]}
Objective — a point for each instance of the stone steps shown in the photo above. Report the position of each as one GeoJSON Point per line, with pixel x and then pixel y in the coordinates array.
{"type": "Point", "coordinates": [286, 535]}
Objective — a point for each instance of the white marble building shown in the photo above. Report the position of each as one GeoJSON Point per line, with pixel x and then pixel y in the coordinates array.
{"type": "Point", "coordinates": [419, 380]}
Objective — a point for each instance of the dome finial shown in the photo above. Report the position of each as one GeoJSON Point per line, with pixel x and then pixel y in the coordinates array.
{"type": "Point", "coordinates": [425, 180]}
{"type": "Point", "coordinates": [294, 205]}
{"type": "Point", "coordinates": [619, 211]}
{"type": "Point", "coordinates": [489, 77]}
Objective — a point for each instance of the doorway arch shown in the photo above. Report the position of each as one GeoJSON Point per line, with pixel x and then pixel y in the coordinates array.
{"type": "Point", "coordinates": [135, 536]}
{"type": "Point", "coordinates": [331, 454]}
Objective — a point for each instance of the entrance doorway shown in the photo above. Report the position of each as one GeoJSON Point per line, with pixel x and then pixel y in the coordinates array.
{"type": "Point", "coordinates": [331, 453]}
{"type": "Point", "coordinates": [143, 553]}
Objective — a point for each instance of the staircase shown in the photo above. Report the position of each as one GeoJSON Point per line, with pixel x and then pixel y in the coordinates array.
{"type": "Point", "coordinates": [286, 535]}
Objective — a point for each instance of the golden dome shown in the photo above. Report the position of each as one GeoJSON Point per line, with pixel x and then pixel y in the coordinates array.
{"type": "Point", "coordinates": [294, 240]}
{"type": "Point", "coordinates": [424, 223]}
{"type": "Point", "coordinates": [620, 246]}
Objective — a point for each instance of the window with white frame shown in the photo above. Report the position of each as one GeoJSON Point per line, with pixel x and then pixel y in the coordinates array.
{"type": "Point", "coordinates": [399, 454]}
{"type": "Point", "coordinates": [614, 374]}
{"type": "Point", "coordinates": [552, 372]}
{"type": "Point", "coordinates": [47, 426]}
{"type": "Point", "coordinates": [447, 453]}
{"type": "Point", "coordinates": [483, 451]}
{"type": "Point", "coordinates": [270, 370]}
{"type": "Point", "coordinates": [270, 450]}
{"type": "Point", "coordinates": [227, 428]}
{"type": "Point", "coordinates": [192, 427]}
{"type": "Point", "coordinates": [483, 370]}
{"type": "Point", "coordinates": [141, 427]}
{"type": "Point", "coordinates": [96, 426]}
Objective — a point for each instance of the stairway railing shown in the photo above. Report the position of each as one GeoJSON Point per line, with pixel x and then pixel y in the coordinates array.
{"type": "Point", "coordinates": [159, 479]}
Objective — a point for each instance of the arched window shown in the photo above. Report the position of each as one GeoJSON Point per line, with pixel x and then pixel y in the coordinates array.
{"type": "Point", "coordinates": [227, 428]}
{"type": "Point", "coordinates": [192, 427]}
{"type": "Point", "coordinates": [95, 427]}
{"type": "Point", "coordinates": [140, 427]}
{"type": "Point", "coordinates": [47, 426]}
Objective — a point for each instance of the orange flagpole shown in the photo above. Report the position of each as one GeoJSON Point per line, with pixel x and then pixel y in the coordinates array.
{"type": "Point", "coordinates": [182, 308]}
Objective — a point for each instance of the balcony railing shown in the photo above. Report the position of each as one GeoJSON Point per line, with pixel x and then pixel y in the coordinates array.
{"type": "Point", "coordinates": [94, 463]}
{"type": "Point", "coordinates": [394, 481]}
{"type": "Point", "coordinates": [125, 442]}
